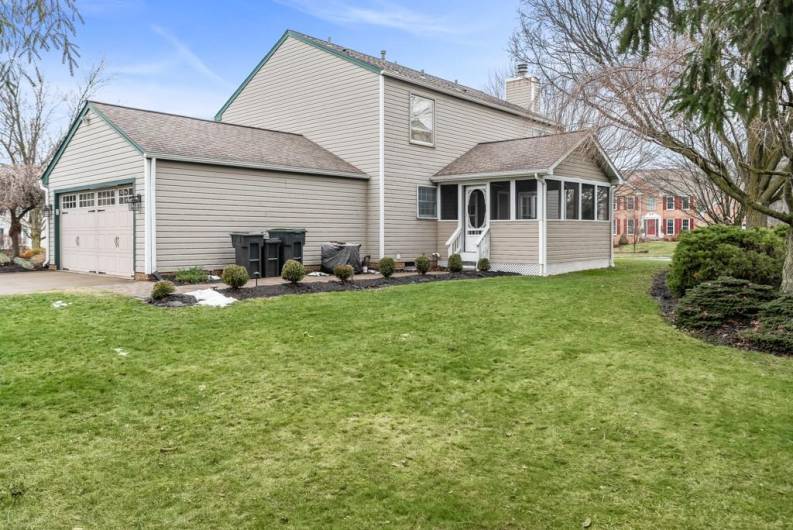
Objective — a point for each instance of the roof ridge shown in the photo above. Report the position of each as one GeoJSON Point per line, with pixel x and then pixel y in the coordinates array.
{"type": "Point", "coordinates": [190, 117]}
{"type": "Point", "coordinates": [535, 136]}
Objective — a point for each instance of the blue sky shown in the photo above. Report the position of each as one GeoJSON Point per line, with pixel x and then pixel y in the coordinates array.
{"type": "Point", "coordinates": [189, 56]}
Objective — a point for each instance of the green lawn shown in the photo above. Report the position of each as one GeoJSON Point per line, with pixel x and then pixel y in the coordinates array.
{"type": "Point", "coordinates": [655, 249]}
{"type": "Point", "coordinates": [501, 403]}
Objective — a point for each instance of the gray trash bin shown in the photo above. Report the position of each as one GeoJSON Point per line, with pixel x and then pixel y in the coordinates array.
{"type": "Point", "coordinates": [271, 257]}
{"type": "Point", "coordinates": [248, 250]}
{"type": "Point", "coordinates": [293, 240]}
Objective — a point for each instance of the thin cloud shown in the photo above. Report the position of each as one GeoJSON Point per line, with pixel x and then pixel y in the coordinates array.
{"type": "Point", "coordinates": [188, 56]}
{"type": "Point", "coordinates": [383, 14]}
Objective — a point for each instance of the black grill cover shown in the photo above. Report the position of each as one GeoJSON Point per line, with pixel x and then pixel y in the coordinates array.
{"type": "Point", "coordinates": [335, 253]}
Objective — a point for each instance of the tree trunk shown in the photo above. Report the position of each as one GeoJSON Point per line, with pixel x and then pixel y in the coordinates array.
{"type": "Point", "coordinates": [787, 268]}
{"type": "Point", "coordinates": [755, 219]}
{"type": "Point", "coordinates": [36, 227]}
{"type": "Point", "coordinates": [14, 231]}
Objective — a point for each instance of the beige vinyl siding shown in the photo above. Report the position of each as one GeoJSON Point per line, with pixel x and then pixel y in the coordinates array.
{"type": "Point", "coordinates": [199, 205]}
{"type": "Point", "coordinates": [445, 231]}
{"type": "Point", "coordinates": [331, 101]}
{"type": "Point", "coordinates": [459, 125]}
{"type": "Point", "coordinates": [578, 241]}
{"type": "Point", "coordinates": [581, 164]}
{"type": "Point", "coordinates": [97, 153]}
{"type": "Point", "coordinates": [514, 242]}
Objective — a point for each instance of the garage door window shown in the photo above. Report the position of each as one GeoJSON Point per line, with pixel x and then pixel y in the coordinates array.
{"type": "Point", "coordinates": [106, 198]}
{"type": "Point", "coordinates": [86, 200]}
{"type": "Point", "coordinates": [124, 195]}
{"type": "Point", "coordinates": [69, 201]}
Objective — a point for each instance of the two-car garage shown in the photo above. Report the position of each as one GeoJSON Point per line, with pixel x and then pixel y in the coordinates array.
{"type": "Point", "coordinates": [96, 231]}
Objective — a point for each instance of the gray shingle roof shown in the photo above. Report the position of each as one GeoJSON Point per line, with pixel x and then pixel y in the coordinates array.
{"type": "Point", "coordinates": [536, 153]}
{"type": "Point", "coordinates": [419, 77]}
{"type": "Point", "coordinates": [170, 135]}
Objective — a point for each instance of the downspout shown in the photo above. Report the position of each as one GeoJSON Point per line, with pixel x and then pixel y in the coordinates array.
{"type": "Point", "coordinates": [381, 161]}
{"type": "Point", "coordinates": [611, 222]}
{"type": "Point", "coordinates": [149, 215]}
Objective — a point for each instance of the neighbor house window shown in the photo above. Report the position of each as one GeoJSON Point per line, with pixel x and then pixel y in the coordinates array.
{"type": "Point", "coordinates": [670, 226]}
{"type": "Point", "coordinates": [427, 202]}
{"type": "Point", "coordinates": [69, 201]}
{"type": "Point", "coordinates": [670, 202]}
{"type": "Point", "coordinates": [124, 195]}
{"type": "Point", "coordinates": [684, 203]}
{"type": "Point", "coordinates": [449, 202]}
{"type": "Point", "coordinates": [651, 203]}
{"type": "Point", "coordinates": [588, 202]}
{"type": "Point", "coordinates": [526, 199]}
{"type": "Point", "coordinates": [499, 201]}
{"type": "Point", "coordinates": [685, 226]}
{"type": "Point", "coordinates": [631, 226]}
{"type": "Point", "coordinates": [86, 200]}
{"type": "Point", "coordinates": [630, 203]}
{"type": "Point", "coordinates": [106, 198]}
{"type": "Point", "coordinates": [422, 120]}
{"type": "Point", "coordinates": [553, 199]}
{"type": "Point", "coordinates": [571, 191]}
{"type": "Point", "coordinates": [603, 203]}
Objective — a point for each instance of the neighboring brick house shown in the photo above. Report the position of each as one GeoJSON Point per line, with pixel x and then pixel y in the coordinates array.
{"type": "Point", "coordinates": [647, 205]}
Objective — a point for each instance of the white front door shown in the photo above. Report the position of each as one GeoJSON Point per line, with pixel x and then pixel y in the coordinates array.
{"type": "Point", "coordinates": [476, 218]}
{"type": "Point", "coordinates": [96, 233]}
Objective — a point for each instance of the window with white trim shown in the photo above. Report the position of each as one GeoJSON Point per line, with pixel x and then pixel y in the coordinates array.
{"type": "Point", "coordinates": [670, 227]}
{"type": "Point", "coordinates": [684, 227]}
{"type": "Point", "coordinates": [499, 201]}
{"type": "Point", "coordinates": [86, 200]}
{"type": "Point", "coordinates": [106, 198]}
{"type": "Point", "coordinates": [553, 199]}
{"type": "Point", "coordinates": [603, 203]}
{"type": "Point", "coordinates": [631, 226]}
{"type": "Point", "coordinates": [124, 195]}
{"type": "Point", "coordinates": [526, 199]}
{"type": "Point", "coordinates": [450, 210]}
{"type": "Point", "coordinates": [422, 120]}
{"type": "Point", "coordinates": [684, 202]}
{"type": "Point", "coordinates": [630, 203]}
{"type": "Point", "coordinates": [69, 201]}
{"type": "Point", "coordinates": [571, 194]}
{"type": "Point", "coordinates": [651, 203]}
{"type": "Point", "coordinates": [670, 202]}
{"type": "Point", "coordinates": [427, 202]}
{"type": "Point", "coordinates": [588, 202]}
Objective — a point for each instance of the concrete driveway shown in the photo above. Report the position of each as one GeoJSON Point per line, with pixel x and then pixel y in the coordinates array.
{"type": "Point", "coordinates": [42, 281]}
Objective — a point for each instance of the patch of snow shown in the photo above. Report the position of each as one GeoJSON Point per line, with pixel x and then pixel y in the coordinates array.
{"type": "Point", "coordinates": [211, 298]}
{"type": "Point", "coordinates": [59, 304]}
{"type": "Point", "coordinates": [121, 351]}
{"type": "Point", "coordinates": [214, 278]}
{"type": "Point", "coordinates": [318, 274]}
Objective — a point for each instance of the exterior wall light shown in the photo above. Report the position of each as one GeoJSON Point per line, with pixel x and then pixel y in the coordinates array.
{"type": "Point", "coordinates": [134, 202]}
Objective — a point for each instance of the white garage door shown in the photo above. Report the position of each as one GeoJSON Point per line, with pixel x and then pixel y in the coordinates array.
{"type": "Point", "coordinates": [97, 232]}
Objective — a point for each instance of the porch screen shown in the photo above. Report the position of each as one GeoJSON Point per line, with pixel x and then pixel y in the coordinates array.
{"type": "Point", "coordinates": [588, 202]}
{"type": "Point", "coordinates": [449, 202]}
{"type": "Point", "coordinates": [526, 199]}
{"type": "Point", "coordinates": [603, 203]}
{"type": "Point", "coordinates": [571, 191]}
{"type": "Point", "coordinates": [553, 199]}
{"type": "Point", "coordinates": [499, 200]}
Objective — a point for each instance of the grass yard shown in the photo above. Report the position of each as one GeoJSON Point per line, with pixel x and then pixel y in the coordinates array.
{"type": "Point", "coordinates": [652, 249]}
{"type": "Point", "coordinates": [501, 403]}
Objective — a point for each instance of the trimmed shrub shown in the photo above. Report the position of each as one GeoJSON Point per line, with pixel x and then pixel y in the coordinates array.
{"type": "Point", "coordinates": [705, 254]}
{"type": "Point", "coordinates": [774, 329]}
{"type": "Point", "coordinates": [192, 275]}
{"type": "Point", "coordinates": [293, 271]}
{"type": "Point", "coordinates": [722, 301]}
{"type": "Point", "coordinates": [455, 263]}
{"type": "Point", "coordinates": [483, 265]}
{"type": "Point", "coordinates": [38, 259]}
{"type": "Point", "coordinates": [162, 289]}
{"type": "Point", "coordinates": [622, 241]}
{"type": "Point", "coordinates": [386, 266]}
{"type": "Point", "coordinates": [423, 264]}
{"type": "Point", "coordinates": [4, 259]}
{"type": "Point", "coordinates": [25, 264]}
{"type": "Point", "coordinates": [343, 272]}
{"type": "Point", "coordinates": [235, 276]}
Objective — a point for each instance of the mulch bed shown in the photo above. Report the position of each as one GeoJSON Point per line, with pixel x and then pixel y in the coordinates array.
{"type": "Point", "coordinates": [726, 335]}
{"type": "Point", "coordinates": [13, 267]}
{"type": "Point", "coordinates": [360, 284]}
{"type": "Point", "coordinates": [174, 300]}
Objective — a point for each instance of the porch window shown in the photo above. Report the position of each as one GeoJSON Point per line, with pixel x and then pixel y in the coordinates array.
{"type": "Point", "coordinates": [526, 199]}
{"type": "Point", "coordinates": [449, 202]}
{"type": "Point", "coordinates": [553, 199]}
{"type": "Point", "coordinates": [499, 201]}
{"type": "Point", "coordinates": [69, 201]}
{"type": "Point", "coordinates": [422, 119]}
{"type": "Point", "coordinates": [427, 202]}
{"type": "Point", "coordinates": [588, 202]}
{"type": "Point", "coordinates": [603, 203]}
{"type": "Point", "coordinates": [571, 196]}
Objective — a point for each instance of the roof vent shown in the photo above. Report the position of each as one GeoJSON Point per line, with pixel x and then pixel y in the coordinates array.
{"type": "Point", "coordinates": [382, 54]}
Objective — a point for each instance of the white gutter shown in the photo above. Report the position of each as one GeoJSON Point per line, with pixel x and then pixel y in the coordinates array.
{"type": "Point", "coordinates": [381, 147]}
{"type": "Point", "coordinates": [149, 215]}
{"type": "Point", "coordinates": [490, 174]}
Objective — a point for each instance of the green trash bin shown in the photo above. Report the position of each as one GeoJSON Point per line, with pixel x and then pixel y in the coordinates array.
{"type": "Point", "coordinates": [293, 241]}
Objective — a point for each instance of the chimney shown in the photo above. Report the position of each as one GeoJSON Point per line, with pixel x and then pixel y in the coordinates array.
{"type": "Point", "coordinates": [524, 90]}
{"type": "Point", "coordinates": [382, 55]}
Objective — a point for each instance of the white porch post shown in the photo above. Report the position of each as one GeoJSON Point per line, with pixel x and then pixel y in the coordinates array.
{"type": "Point", "coordinates": [541, 217]}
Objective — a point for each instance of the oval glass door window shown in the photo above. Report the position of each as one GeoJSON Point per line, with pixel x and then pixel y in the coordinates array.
{"type": "Point", "coordinates": [476, 209]}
